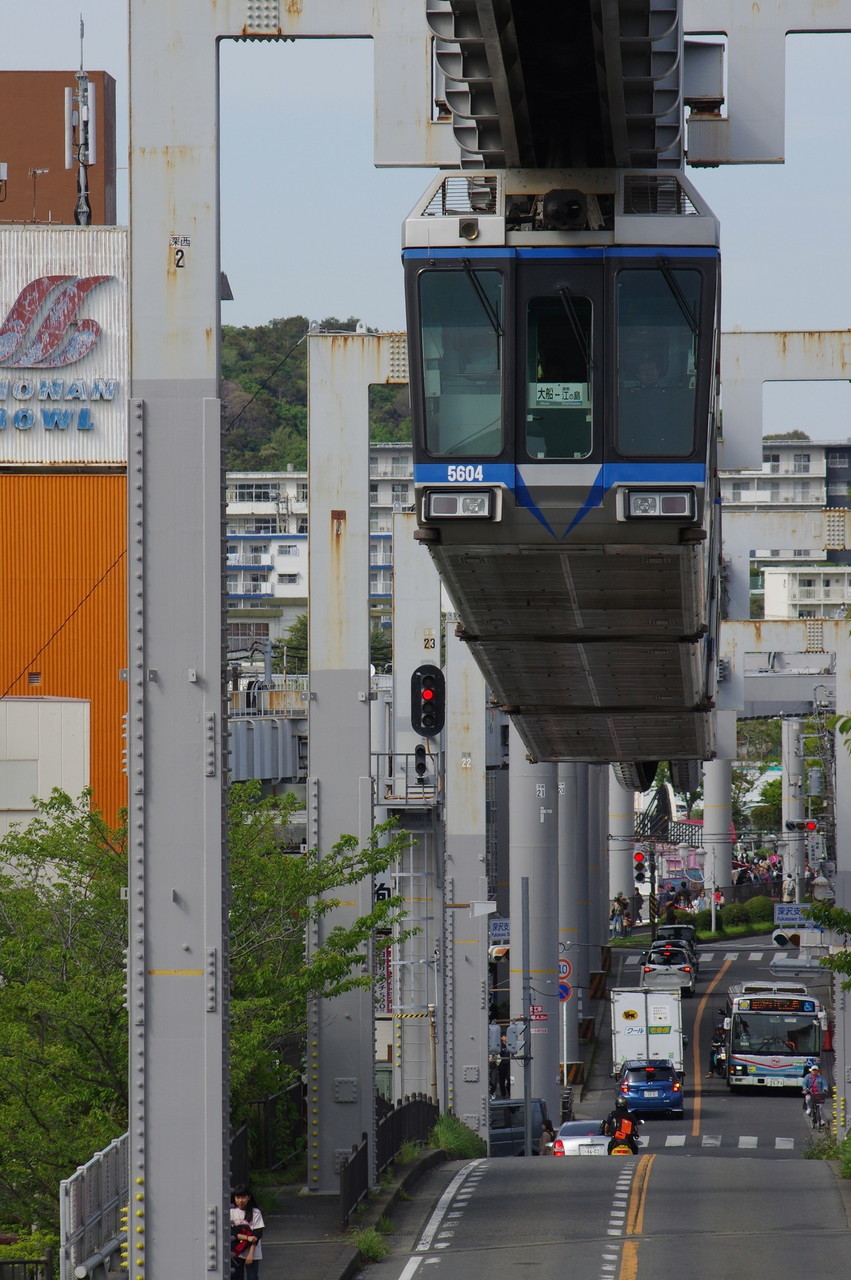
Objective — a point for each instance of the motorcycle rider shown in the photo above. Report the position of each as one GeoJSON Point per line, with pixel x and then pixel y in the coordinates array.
{"type": "Point", "coordinates": [621, 1129]}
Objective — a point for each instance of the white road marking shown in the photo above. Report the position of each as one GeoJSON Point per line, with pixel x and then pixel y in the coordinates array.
{"type": "Point", "coordinates": [409, 1268]}
{"type": "Point", "coordinates": [711, 1140]}
{"type": "Point", "coordinates": [433, 1225]}
{"type": "Point", "coordinates": [731, 955]}
{"type": "Point", "coordinates": [784, 1144]}
{"type": "Point", "coordinates": [754, 955]}
{"type": "Point", "coordinates": [746, 1141]}
{"type": "Point", "coordinates": [675, 1140]}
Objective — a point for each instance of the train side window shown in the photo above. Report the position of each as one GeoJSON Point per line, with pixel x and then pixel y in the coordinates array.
{"type": "Point", "coordinates": [558, 381]}
{"type": "Point", "coordinates": [462, 338]}
{"type": "Point", "coordinates": [658, 314]}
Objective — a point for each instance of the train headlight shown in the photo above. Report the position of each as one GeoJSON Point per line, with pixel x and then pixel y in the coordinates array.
{"type": "Point", "coordinates": [477, 503]}
{"type": "Point", "coordinates": [677, 504]}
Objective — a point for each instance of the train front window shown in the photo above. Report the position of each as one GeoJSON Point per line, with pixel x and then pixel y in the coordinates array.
{"type": "Point", "coordinates": [658, 330]}
{"type": "Point", "coordinates": [558, 377]}
{"type": "Point", "coordinates": [461, 318]}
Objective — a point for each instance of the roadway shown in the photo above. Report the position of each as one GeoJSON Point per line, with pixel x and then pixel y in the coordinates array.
{"type": "Point", "coordinates": [723, 1193]}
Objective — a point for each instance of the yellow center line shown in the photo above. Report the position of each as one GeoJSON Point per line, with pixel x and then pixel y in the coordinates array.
{"type": "Point", "coordinates": [696, 1058]}
{"type": "Point", "coordinates": [635, 1218]}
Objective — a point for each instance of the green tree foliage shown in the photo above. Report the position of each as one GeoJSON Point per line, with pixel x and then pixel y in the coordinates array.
{"type": "Point", "coordinates": [759, 740]}
{"type": "Point", "coordinates": [63, 1025]}
{"type": "Point", "coordinates": [264, 395]}
{"type": "Point", "coordinates": [767, 813]}
{"type": "Point", "coordinates": [290, 655]}
{"type": "Point", "coordinates": [838, 921]}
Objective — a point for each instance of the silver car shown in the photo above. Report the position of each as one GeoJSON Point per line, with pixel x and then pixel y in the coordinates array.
{"type": "Point", "coordinates": [580, 1138]}
{"type": "Point", "coordinates": [667, 967]}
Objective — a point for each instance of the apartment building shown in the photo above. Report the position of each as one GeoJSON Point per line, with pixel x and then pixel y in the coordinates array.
{"type": "Point", "coordinates": [267, 534]}
{"type": "Point", "coordinates": [797, 568]}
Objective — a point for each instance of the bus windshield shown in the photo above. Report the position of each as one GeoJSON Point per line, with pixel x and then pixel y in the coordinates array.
{"type": "Point", "coordinates": [774, 1033]}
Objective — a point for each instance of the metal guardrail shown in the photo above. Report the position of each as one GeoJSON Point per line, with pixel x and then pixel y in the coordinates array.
{"type": "Point", "coordinates": [90, 1204]}
{"type": "Point", "coordinates": [409, 1121]}
{"type": "Point", "coordinates": [28, 1268]}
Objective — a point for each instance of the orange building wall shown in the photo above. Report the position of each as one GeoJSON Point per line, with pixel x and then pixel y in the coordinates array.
{"type": "Point", "coordinates": [63, 605]}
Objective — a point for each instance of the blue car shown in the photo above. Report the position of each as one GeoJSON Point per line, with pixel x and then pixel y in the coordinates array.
{"type": "Point", "coordinates": [651, 1084]}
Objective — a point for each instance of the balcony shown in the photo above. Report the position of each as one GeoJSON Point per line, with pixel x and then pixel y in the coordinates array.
{"type": "Point", "coordinates": [252, 560]}
{"type": "Point", "coordinates": [288, 698]}
{"type": "Point", "coordinates": [237, 589]}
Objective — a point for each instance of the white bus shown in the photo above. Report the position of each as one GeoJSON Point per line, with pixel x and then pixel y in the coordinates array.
{"type": "Point", "coordinates": [772, 1028]}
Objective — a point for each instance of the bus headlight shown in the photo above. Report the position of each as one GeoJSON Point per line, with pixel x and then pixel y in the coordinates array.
{"type": "Point", "coordinates": [451, 503]}
{"type": "Point", "coordinates": [665, 503]}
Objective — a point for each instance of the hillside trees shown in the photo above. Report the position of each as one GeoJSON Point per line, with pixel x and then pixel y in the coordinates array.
{"type": "Point", "coordinates": [264, 395]}
{"type": "Point", "coordinates": [63, 1030]}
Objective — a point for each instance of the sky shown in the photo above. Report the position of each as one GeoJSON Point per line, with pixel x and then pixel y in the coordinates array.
{"type": "Point", "coordinates": [310, 227]}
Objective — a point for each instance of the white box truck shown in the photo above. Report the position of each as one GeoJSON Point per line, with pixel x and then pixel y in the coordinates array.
{"type": "Point", "coordinates": [646, 1024]}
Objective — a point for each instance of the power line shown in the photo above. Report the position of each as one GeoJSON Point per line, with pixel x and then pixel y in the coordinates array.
{"type": "Point", "coordinates": [64, 623]}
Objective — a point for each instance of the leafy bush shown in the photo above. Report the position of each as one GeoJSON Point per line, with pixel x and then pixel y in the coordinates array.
{"type": "Point", "coordinates": [703, 920]}
{"type": "Point", "coordinates": [456, 1138]}
{"type": "Point", "coordinates": [759, 909]}
{"type": "Point", "coordinates": [735, 913]}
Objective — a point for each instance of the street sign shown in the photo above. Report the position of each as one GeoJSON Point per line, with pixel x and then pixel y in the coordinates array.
{"type": "Point", "coordinates": [565, 991]}
{"type": "Point", "coordinates": [789, 913]}
{"type": "Point", "coordinates": [565, 969]}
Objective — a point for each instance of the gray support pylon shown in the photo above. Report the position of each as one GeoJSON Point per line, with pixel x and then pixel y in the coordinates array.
{"type": "Point", "coordinates": [598, 872]}
{"type": "Point", "coordinates": [583, 965]}
{"type": "Point", "coordinates": [177, 958]}
{"type": "Point", "coordinates": [571, 888]}
{"type": "Point", "coordinates": [533, 840]}
{"type": "Point", "coordinates": [340, 1051]}
{"type": "Point", "coordinates": [621, 838]}
{"type": "Point", "coordinates": [793, 802]}
{"type": "Point", "coordinates": [842, 879]}
{"type": "Point", "coordinates": [465, 948]}
{"type": "Point", "coordinates": [416, 640]}
{"type": "Point", "coordinates": [717, 817]}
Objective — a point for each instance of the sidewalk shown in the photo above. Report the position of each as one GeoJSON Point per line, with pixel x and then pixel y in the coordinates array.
{"type": "Point", "coordinates": [303, 1240]}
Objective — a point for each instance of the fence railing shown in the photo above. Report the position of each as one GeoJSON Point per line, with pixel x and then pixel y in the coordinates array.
{"type": "Point", "coordinates": [27, 1268]}
{"type": "Point", "coordinates": [90, 1204]}
{"type": "Point", "coordinates": [409, 1121]}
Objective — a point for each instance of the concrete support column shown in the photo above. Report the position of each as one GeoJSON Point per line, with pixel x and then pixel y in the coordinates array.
{"type": "Point", "coordinates": [533, 839]}
{"type": "Point", "coordinates": [598, 854]}
{"type": "Point", "coordinates": [621, 838]}
{"type": "Point", "coordinates": [793, 802]}
{"type": "Point", "coordinates": [465, 959]}
{"type": "Point", "coordinates": [717, 816]}
{"type": "Point", "coordinates": [571, 888]}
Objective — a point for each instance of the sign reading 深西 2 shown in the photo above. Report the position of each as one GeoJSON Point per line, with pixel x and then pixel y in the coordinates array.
{"type": "Point", "coordinates": [64, 346]}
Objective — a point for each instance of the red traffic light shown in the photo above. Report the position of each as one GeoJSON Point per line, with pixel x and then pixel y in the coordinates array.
{"type": "Point", "coordinates": [638, 857]}
{"type": "Point", "coordinates": [811, 825]}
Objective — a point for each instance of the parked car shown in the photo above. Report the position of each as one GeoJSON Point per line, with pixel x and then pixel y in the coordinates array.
{"type": "Point", "coordinates": [666, 967]}
{"type": "Point", "coordinates": [507, 1133]}
{"type": "Point", "coordinates": [580, 1138]}
{"type": "Point", "coordinates": [651, 1085]}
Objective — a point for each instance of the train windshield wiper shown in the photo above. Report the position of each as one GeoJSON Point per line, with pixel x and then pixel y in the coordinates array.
{"type": "Point", "coordinates": [487, 306]}
{"type": "Point", "coordinates": [578, 332]}
{"type": "Point", "coordinates": [679, 297]}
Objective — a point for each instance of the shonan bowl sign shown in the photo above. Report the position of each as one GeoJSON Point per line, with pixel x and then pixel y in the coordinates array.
{"type": "Point", "coordinates": [64, 347]}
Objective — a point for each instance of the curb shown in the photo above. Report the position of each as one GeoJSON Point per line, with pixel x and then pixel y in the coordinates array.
{"type": "Point", "coordinates": [380, 1205]}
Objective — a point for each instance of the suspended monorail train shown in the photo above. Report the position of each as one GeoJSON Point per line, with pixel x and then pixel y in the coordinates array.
{"type": "Point", "coordinates": [563, 333]}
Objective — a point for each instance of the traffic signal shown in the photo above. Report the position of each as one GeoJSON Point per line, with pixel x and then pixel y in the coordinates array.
{"type": "Point", "coordinates": [420, 764]}
{"type": "Point", "coordinates": [428, 700]}
{"type": "Point", "coordinates": [809, 825]}
{"type": "Point", "coordinates": [639, 867]}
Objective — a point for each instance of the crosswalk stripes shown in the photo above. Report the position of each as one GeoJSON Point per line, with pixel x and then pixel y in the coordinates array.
{"type": "Point", "coordinates": [742, 1141]}
{"type": "Point", "coordinates": [707, 957]}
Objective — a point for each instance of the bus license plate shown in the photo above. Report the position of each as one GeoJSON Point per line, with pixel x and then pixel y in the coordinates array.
{"type": "Point", "coordinates": [777, 1082]}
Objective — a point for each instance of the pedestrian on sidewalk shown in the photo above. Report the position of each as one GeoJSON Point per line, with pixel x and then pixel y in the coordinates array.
{"type": "Point", "coordinates": [246, 1228]}
{"type": "Point", "coordinates": [504, 1067]}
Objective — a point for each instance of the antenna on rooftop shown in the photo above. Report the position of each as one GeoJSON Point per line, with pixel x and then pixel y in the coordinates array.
{"type": "Point", "coordinates": [80, 135]}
